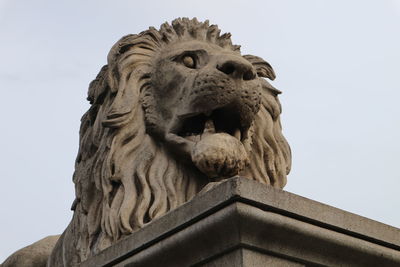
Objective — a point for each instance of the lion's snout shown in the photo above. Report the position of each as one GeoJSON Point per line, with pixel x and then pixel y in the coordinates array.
{"type": "Point", "coordinates": [236, 67]}
{"type": "Point", "coordinates": [211, 92]}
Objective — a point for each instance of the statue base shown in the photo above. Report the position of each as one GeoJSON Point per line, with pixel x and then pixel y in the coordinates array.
{"type": "Point", "coordinates": [244, 223]}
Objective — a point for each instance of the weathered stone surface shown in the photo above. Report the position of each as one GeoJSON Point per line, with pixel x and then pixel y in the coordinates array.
{"type": "Point", "coordinates": [174, 109]}
{"type": "Point", "coordinates": [34, 255]}
{"type": "Point", "coordinates": [244, 223]}
{"type": "Point", "coordinates": [249, 258]}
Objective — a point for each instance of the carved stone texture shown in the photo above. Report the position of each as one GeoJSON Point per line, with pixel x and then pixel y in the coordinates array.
{"type": "Point", "coordinates": [242, 223]}
{"type": "Point", "coordinates": [174, 109]}
{"type": "Point", "coordinates": [35, 255]}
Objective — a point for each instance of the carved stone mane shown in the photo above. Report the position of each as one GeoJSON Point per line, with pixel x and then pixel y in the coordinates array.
{"type": "Point", "coordinates": [173, 110]}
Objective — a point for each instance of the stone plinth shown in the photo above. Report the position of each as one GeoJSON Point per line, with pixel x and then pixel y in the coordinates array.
{"type": "Point", "coordinates": [243, 223]}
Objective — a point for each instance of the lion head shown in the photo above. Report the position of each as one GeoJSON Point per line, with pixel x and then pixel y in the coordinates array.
{"type": "Point", "coordinates": [173, 109]}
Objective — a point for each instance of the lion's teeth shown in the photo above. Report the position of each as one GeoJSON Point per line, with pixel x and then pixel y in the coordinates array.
{"type": "Point", "coordinates": [209, 126]}
{"type": "Point", "coordinates": [193, 138]}
{"type": "Point", "coordinates": [245, 135]}
{"type": "Point", "coordinates": [237, 134]}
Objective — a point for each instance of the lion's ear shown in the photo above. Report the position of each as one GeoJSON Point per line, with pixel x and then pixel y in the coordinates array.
{"type": "Point", "coordinates": [263, 68]}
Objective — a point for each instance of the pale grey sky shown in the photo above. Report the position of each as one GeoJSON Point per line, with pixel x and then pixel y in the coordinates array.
{"type": "Point", "coordinates": [337, 63]}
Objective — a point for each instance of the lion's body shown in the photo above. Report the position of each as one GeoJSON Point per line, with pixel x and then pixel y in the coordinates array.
{"type": "Point", "coordinates": [174, 109]}
{"type": "Point", "coordinates": [34, 255]}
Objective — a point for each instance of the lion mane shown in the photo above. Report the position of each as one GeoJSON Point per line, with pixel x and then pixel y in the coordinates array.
{"type": "Point", "coordinates": [124, 178]}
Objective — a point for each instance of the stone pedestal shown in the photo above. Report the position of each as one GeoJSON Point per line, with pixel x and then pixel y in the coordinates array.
{"type": "Point", "coordinates": [243, 223]}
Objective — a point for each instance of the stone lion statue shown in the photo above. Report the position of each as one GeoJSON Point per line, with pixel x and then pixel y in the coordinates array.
{"type": "Point", "coordinates": [173, 110]}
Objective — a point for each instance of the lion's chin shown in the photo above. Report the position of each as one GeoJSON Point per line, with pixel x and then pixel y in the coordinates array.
{"type": "Point", "coordinates": [219, 155]}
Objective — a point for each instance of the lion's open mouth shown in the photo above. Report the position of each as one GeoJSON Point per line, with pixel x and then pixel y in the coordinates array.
{"type": "Point", "coordinates": [221, 120]}
{"type": "Point", "coordinates": [213, 139]}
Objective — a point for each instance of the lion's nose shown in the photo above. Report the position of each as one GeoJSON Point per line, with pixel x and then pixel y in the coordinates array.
{"type": "Point", "coordinates": [237, 68]}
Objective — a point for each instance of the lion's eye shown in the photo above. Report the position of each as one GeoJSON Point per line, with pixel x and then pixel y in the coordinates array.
{"type": "Point", "coordinates": [189, 62]}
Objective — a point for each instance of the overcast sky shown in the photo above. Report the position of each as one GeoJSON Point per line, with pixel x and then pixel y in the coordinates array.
{"type": "Point", "coordinates": [337, 63]}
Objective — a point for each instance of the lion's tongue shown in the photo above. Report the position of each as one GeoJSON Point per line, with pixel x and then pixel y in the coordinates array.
{"type": "Point", "coordinates": [219, 154]}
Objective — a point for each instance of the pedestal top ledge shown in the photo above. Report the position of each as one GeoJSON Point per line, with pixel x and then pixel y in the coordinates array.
{"type": "Point", "coordinates": [241, 222]}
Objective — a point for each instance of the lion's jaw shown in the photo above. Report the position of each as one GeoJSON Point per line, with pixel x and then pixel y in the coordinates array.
{"type": "Point", "coordinates": [206, 98]}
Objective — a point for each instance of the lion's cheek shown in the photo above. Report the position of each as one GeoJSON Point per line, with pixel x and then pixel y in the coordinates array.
{"type": "Point", "coordinates": [219, 155]}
